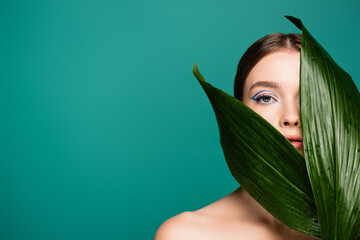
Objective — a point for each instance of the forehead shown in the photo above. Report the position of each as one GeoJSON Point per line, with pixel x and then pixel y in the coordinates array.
{"type": "Point", "coordinates": [278, 70]}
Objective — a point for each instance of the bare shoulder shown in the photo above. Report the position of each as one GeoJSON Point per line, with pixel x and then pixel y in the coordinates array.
{"type": "Point", "coordinates": [230, 218]}
{"type": "Point", "coordinates": [199, 225]}
{"type": "Point", "coordinates": [179, 227]}
{"type": "Point", "coordinates": [219, 220]}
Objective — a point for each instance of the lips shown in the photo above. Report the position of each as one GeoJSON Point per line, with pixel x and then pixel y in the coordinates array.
{"type": "Point", "coordinates": [295, 140]}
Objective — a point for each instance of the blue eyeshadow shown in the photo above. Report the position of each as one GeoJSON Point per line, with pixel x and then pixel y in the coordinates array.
{"type": "Point", "coordinates": [254, 97]}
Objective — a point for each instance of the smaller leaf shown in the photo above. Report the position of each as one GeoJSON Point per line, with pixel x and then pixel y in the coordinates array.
{"type": "Point", "coordinates": [263, 161]}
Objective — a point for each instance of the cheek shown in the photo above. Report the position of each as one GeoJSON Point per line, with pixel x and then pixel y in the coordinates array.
{"type": "Point", "coordinates": [270, 113]}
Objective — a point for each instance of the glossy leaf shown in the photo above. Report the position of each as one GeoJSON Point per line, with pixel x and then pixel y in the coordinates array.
{"type": "Point", "coordinates": [330, 117]}
{"type": "Point", "coordinates": [263, 161]}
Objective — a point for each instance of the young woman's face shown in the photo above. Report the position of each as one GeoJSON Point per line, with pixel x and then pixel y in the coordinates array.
{"type": "Point", "coordinates": [272, 91]}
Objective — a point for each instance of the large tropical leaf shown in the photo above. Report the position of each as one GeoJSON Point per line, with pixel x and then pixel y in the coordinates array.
{"type": "Point", "coordinates": [330, 117]}
{"type": "Point", "coordinates": [263, 161]}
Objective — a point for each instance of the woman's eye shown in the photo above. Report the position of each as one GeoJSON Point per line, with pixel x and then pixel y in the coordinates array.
{"type": "Point", "coordinates": [265, 99]}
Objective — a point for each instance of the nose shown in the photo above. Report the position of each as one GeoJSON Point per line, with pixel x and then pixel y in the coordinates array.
{"type": "Point", "coordinates": [290, 116]}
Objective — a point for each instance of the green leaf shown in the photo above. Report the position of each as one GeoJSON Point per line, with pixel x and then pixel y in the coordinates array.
{"type": "Point", "coordinates": [330, 117]}
{"type": "Point", "coordinates": [263, 161]}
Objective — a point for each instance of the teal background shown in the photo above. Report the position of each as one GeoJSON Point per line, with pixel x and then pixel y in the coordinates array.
{"type": "Point", "coordinates": [105, 132]}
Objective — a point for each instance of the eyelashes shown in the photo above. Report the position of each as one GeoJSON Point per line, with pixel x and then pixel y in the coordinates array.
{"type": "Point", "coordinates": [264, 99]}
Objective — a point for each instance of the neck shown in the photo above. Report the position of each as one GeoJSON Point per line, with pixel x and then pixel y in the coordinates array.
{"type": "Point", "coordinates": [254, 210]}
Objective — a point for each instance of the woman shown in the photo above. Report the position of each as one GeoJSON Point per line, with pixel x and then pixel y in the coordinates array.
{"type": "Point", "coordinates": [267, 81]}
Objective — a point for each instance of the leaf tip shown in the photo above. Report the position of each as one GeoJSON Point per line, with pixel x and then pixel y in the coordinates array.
{"type": "Point", "coordinates": [197, 73]}
{"type": "Point", "coordinates": [194, 68]}
{"type": "Point", "coordinates": [296, 21]}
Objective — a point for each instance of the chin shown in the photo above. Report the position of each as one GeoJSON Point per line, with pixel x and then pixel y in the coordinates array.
{"type": "Point", "coordinates": [302, 152]}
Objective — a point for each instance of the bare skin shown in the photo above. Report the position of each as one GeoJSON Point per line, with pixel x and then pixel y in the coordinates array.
{"type": "Point", "coordinates": [238, 216]}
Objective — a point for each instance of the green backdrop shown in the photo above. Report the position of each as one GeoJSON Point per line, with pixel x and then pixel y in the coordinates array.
{"type": "Point", "coordinates": [105, 133]}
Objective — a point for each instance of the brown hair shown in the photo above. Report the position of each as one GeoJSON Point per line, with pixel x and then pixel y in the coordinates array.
{"type": "Point", "coordinates": [260, 49]}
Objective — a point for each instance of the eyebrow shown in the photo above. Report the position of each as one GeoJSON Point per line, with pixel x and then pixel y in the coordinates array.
{"type": "Point", "coordinates": [265, 84]}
